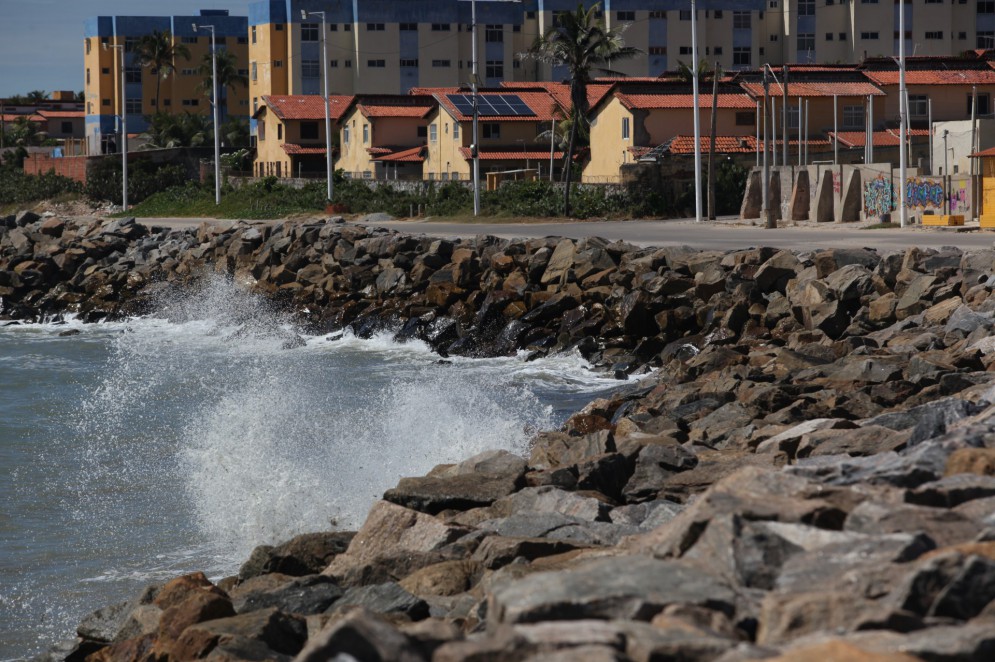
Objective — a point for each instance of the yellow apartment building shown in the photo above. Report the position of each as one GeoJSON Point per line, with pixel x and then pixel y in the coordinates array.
{"type": "Point", "coordinates": [290, 136]}
{"type": "Point", "coordinates": [510, 120]}
{"type": "Point", "coordinates": [384, 136]}
{"type": "Point", "coordinates": [105, 39]}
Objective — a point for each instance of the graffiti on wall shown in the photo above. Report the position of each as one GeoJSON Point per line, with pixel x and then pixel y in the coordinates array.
{"type": "Point", "coordinates": [960, 197]}
{"type": "Point", "coordinates": [837, 183]}
{"type": "Point", "coordinates": [923, 194]}
{"type": "Point", "coordinates": [879, 196]}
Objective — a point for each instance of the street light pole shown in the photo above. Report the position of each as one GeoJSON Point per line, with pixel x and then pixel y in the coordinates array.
{"type": "Point", "coordinates": [476, 111]}
{"type": "Point", "coordinates": [697, 109]}
{"type": "Point", "coordinates": [903, 105]}
{"type": "Point", "coordinates": [124, 129]}
{"type": "Point", "coordinates": [327, 98]}
{"type": "Point", "coordinates": [214, 102]}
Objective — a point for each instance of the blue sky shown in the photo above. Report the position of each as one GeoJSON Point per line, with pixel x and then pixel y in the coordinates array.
{"type": "Point", "coordinates": [41, 41]}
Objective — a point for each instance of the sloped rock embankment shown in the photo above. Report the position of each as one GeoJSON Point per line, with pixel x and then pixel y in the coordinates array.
{"type": "Point", "coordinates": [810, 474]}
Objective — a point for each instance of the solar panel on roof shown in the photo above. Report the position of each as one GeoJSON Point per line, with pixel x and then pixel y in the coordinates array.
{"type": "Point", "coordinates": [491, 105]}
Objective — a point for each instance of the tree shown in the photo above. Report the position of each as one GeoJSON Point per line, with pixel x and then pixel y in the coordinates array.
{"type": "Point", "coordinates": [580, 41]}
{"type": "Point", "coordinates": [167, 130]}
{"type": "Point", "coordinates": [159, 52]}
{"type": "Point", "coordinates": [686, 75]}
{"type": "Point", "coordinates": [34, 96]}
{"type": "Point", "coordinates": [235, 133]}
{"type": "Point", "coordinates": [228, 76]}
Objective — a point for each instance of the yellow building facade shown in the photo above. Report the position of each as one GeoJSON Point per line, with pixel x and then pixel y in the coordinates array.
{"type": "Point", "coordinates": [290, 134]}
{"type": "Point", "coordinates": [379, 134]}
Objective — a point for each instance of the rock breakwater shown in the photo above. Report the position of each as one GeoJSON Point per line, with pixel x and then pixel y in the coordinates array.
{"type": "Point", "coordinates": [809, 474]}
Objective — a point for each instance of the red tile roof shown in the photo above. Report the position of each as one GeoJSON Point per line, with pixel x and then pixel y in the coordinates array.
{"type": "Point", "coordinates": [307, 106]}
{"type": "Point", "coordinates": [669, 101]}
{"type": "Point", "coordinates": [508, 154]}
{"type": "Point", "coordinates": [372, 151]}
{"type": "Point", "coordinates": [292, 148]}
{"type": "Point", "coordinates": [932, 77]}
{"type": "Point", "coordinates": [410, 155]}
{"type": "Point", "coordinates": [561, 91]}
{"type": "Point", "coordinates": [9, 117]}
{"type": "Point", "coordinates": [542, 103]}
{"type": "Point", "coordinates": [723, 144]}
{"type": "Point", "coordinates": [984, 153]}
{"type": "Point", "coordinates": [816, 89]}
{"type": "Point", "coordinates": [886, 138]}
{"type": "Point", "coordinates": [61, 114]}
{"type": "Point", "coordinates": [376, 110]}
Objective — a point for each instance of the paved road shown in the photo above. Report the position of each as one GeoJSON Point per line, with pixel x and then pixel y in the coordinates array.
{"type": "Point", "coordinates": [722, 235]}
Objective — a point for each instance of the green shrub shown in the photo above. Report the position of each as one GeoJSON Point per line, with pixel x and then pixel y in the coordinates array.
{"type": "Point", "coordinates": [144, 178]}
{"type": "Point", "coordinates": [16, 187]}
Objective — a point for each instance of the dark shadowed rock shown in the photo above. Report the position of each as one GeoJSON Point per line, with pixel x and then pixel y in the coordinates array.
{"type": "Point", "coordinates": [386, 598]}
{"type": "Point", "coordinates": [360, 635]}
{"type": "Point", "coordinates": [311, 594]}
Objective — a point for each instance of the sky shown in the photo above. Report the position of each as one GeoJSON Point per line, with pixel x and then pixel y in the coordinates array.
{"type": "Point", "coordinates": [41, 41]}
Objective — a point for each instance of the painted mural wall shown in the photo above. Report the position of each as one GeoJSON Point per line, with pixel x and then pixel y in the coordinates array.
{"type": "Point", "coordinates": [938, 194]}
{"type": "Point", "coordinates": [879, 196]}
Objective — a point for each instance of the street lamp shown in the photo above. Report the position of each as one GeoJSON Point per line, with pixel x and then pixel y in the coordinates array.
{"type": "Point", "coordinates": [697, 112]}
{"type": "Point", "coordinates": [327, 98]}
{"type": "Point", "coordinates": [124, 129]}
{"type": "Point", "coordinates": [214, 102]}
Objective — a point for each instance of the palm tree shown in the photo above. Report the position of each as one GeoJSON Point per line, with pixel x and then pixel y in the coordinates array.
{"type": "Point", "coordinates": [159, 52]}
{"type": "Point", "coordinates": [167, 130]}
{"type": "Point", "coordinates": [228, 76]}
{"type": "Point", "coordinates": [34, 96]}
{"type": "Point", "coordinates": [580, 41]}
{"type": "Point", "coordinates": [705, 71]}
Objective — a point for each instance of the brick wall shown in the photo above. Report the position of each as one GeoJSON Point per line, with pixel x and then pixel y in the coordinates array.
{"type": "Point", "coordinates": [73, 167]}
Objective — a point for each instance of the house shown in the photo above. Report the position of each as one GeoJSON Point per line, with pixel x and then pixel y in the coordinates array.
{"type": "Point", "coordinates": [290, 136]}
{"type": "Point", "coordinates": [511, 120]}
{"type": "Point", "coordinates": [384, 136]}
{"type": "Point", "coordinates": [63, 123]}
{"type": "Point", "coordinates": [636, 117]}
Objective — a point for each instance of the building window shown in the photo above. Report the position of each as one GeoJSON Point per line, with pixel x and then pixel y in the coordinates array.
{"type": "Point", "coordinates": [494, 34]}
{"type": "Point", "coordinates": [718, 50]}
{"type": "Point", "coordinates": [188, 72]}
{"type": "Point", "coordinates": [345, 134]}
{"type": "Point", "coordinates": [746, 119]}
{"type": "Point", "coordinates": [986, 6]}
{"type": "Point", "coordinates": [716, 13]}
{"type": "Point", "coordinates": [853, 117]}
{"type": "Point", "coordinates": [492, 130]}
{"type": "Point", "coordinates": [772, 4]}
{"type": "Point", "coordinates": [279, 132]}
{"type": "Point", "coordinates": [220, 41]}
{"type": "Point", "coordinates": [309, 32]}
{"type": "Point", "coordinates": [133, 75]}
{"type": "Point", "coordinates": [685, 50]}
{"type": "Point", "coordinates": [88, 75]}
{"type": "Point", "coordinates": [408, 27]}
{"type": "Point", "coordinates": [375, 27]}
{"type": "Point", "coordinates": [440, 27]}
{"type": "Point", "coordinates": [658, 50]}
{"type": "Point", "coordinates": [347, 64]}
{"type": "Point", "coordinates": [806, 7]}
{"type": "Point", "coordinates": [986, 39]}
{"type": "Point", "coordinates": [433, 133]}
{"type": "Point", "coordinates": [347, 27]}
{"type": "Point", "coordinates": [87, 46]}
{"type": "Point", "coordinates": [279, 27]}
{"type": "Point", "coordinates": [89, 107]}
{"type": "Point", "coordinates": [376, 64]}
{"type": "Point", "coordinates": [494, 69]}
{"type": "Point", "coordinates": [105, 102]}
{"type": "Point", "coordinates": [129, 44]}
{"type": "Point", "coordinates": [829, 36]}
{"type": "Point", "coordinates": [625, 15]}
{"type": "Point", "coordinates": [333, 64]}
{"type": "Point", "coordinates": [657, 13]}
{"type": "Point", "coordinates": [455, 130]}
{"type": "Point", "coordinates": [793, 117]}
{"type": "Point", "coordinates": [773, 37]}
{"type": "Point", "coordinates": [188, 40]}
{"type": "Point", "coordinates": [962, 36]}
{"type": "Point", "coordinates": [255, 104]}
{"type": "Point", "coordinates": [409, 63]}
{"type": "Point", "coordinates": [191, 102]}
{"type": "Point", "coordinates": [242, 40]}
{"type": "Point", "coordinates": [983, 105]}
{"type": "Point", "coordinates": [934, 2]}
{"type": "Point", "coordinates": [869, 36]}
{"type": "Point", "coordinates": [106, 71]}
{"type": "Point", "coordinates": [277, 64]}
{"type": "Point", "coordinates": [741, 56]}
{"type": "Point", "coordinates": [310, 68]}
{"type": "Point", "coordinates": [685, 15]}
{"type": "Point", "coordinates": [935, 35]}
{"type": "Point", "coordinates": [134, 106]}
{"type": "Point", "coordinates": [441, 63]}
{"type": "Point", "coordinates": [625, 128]}
{"type": "Point", "coordinates": [842, 36]}
{"type": "Point", "coordinates": [309, 130]}
{"type": "Point", "coordinates": [918, 105]}
{"type": "Point", "coordinates": [253, 32]}
{"type": "Point", "coordinates": [806, 41]}
{"type": "Point", "coordinates": [262, 131]}
{"type": "Point", "coordinates": [421, 131]}
{"type": "Point", "coordinates": [253, 68]}
{"type": "Point", "coordinates": [741, 20]}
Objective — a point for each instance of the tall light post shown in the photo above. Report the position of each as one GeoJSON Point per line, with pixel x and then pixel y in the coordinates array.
{"type": "Point", "coordinates": [124, 128]}
{"type": "Point", "coordinates": [214, 102]}
{"type": "Point", "coordinates": [697, 111]}
{"type": "Point", "coordinates": [327, 98]}
{"type": "Point", "coordinates": [475, 148]}
{"type": "Point", "coordinates": [903, 112]}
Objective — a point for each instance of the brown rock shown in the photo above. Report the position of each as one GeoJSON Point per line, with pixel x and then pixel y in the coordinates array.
{"type": "Point", "coordinates": [838, 651]}
{"type": "Point", "coordinates": [979, 461]}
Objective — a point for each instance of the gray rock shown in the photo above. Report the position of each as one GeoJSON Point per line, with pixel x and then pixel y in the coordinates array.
{"type": "Point", "coordinates": [624, 587]}
{"type": "Point", "coordinates": [360, 635]}
{"type": "Point", "coordinates": [952, 491]}
{"type": "Point", "coordinates": [312, 594]}
{"type": "Point", "coordinates": [549, 499]}
{"type": "Point", "coordinates": [386, 598]}
{"type": "Point", "coordinates": [103, 624]}
{"type": "Point", "coordinates": [654, 464]}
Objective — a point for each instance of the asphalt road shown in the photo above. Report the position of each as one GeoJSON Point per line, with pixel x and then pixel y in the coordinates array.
{"type": "Point", "coordinates": [721, 235]}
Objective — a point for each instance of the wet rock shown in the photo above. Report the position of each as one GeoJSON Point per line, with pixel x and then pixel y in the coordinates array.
{"type": "Point", "coordinates": [386, 598]}
{"type": "Point", "coordinates": [306, 554]}
{"type": "Point", "coordinates": [269, 628]}
{"type": "Point", "coordinates": [311, 594]}
{"type": "Point", "coordinates": [360, 635]}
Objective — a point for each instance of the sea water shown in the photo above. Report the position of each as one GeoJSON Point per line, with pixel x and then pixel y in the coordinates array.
{"type": "Point", "coordinates": [134, 451]}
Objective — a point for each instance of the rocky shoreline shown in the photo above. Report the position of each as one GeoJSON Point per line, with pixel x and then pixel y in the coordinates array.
{"type": "Point", "coordinates": [809, 474]}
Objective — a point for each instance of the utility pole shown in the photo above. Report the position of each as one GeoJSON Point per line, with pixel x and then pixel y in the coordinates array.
{"type": "Point", "coordinates": [784, 115]}
{"type": "Point", "coordinates": [799, 131]}
{"type": "Point", "coordinates": [124, 129]}
{"type": "Point", "coordinates": [697, 112]}
{"type": "Point", "coordinates": [711, 144]}
{"type": "Point", "coordinates": [903, 101]}
{"type": "Point", "coordinates": [765, 205]}
{"type": "Point", "coordinates": [836, 134]}
{"type": "Point", "coordinates": [870, 127]}
{"type": "Point", "coordinates": [328, 100]}
{"type": "Point", "coordinates": [932, 166]}
{"type": "Point", "coordinates": [475, 149]}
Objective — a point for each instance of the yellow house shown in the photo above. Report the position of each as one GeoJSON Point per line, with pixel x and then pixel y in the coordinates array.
{"type": "Point", "coordinates": [510, 120]}
{"type": "Point", "coordinates": [636, 117]}
{"type": "Point", "coordinates": [290, 135]}
{"type": "Point", "coordinates": [383, 136]}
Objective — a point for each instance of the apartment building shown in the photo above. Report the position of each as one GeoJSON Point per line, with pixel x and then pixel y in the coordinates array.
{"type": "Point", "coordinates": [290, 134]}
{"type": "Point", "coordinates": [383, 136]}
{"type": "Point", "coordinates": [180, 92]}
